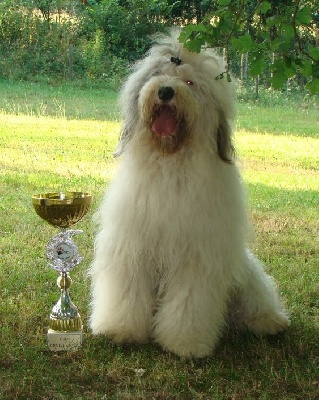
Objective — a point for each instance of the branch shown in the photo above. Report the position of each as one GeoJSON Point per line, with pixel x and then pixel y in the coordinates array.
{"type": "Point", "coordinates": [294, 26]}
{"type": "Point", "coordinates": [252, 13]}
{"type": "Point", "coordinates": [235, 23]}
{"type": "Point", "coordinates": [231, 34]}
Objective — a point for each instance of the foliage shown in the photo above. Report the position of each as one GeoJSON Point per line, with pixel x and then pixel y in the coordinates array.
{"type": "Point", "coordinates": [284, 29]}
{"type": "Point", "coordinates": [125, 25]}
{"type": "Point", "coordinates": [182, 12]}
{"type": "Point", "coordinates": [31, 45]}
{"type": "Point", "coordinates": [96, 41]}
{"type": "Point", "coordinates": [275, 42]}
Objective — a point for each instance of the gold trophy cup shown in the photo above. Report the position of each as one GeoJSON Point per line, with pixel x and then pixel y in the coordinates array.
{"type": "Point", "coordinates": [62, 210]}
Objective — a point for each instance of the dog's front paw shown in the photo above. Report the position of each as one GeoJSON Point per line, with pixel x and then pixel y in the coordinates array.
{"type": "Point", "coordinates": [188, 349]}
{"type": "Point", "coordinates": [121, 335]}
{"type": "Point", "coordinates": [268, 323]}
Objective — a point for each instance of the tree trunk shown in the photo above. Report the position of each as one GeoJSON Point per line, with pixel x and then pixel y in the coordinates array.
{"type": "Point", "coordinates": [271, 73]}
{"type": "Point", "coordinates": [257, 87]}
{"type": "Point", "coordinates": [71, 71]}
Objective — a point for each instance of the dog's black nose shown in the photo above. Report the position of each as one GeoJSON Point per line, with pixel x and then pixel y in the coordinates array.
{"type": "Point", "coordinates": [166, 93]}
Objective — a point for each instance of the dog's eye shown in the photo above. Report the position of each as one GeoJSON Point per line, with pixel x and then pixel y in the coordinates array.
{"type": "Point", "coordinates": [189, 83]}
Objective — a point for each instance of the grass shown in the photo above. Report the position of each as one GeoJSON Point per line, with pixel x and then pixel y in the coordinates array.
{"type": "Point", "coordinates": [52, 138]}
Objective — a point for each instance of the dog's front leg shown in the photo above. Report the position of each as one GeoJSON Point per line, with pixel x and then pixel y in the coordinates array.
{"type": "Point", "coordinates": [258, 305]}
{"type": "Point", "coordinates": [122, 304]}
{"type": "Point", "coordinates": [191, 314]}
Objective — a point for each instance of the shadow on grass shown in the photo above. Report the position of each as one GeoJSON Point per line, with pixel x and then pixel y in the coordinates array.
{"type": "Point", "coordinates": [242, 366]}
{"type": "Point", "coordinates": [289, 119]}
{"type": "Point", "coordinates": [69, 101]}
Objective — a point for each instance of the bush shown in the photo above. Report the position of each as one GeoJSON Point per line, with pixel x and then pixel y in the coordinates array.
{"type": "Point", "coordinates": [97, 43]}
{"type": "Point", "coordinates": [31, 46]}
{"type": "Point", "coordinates": [125, 25]}
{"type": "Point", "coordinates": [98, 63]}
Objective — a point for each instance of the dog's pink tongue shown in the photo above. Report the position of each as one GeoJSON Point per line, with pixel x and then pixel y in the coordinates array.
{"type": "Point", "coordinates": [165, 123]}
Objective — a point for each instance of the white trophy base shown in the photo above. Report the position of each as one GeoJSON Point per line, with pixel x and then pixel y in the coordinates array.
{"type": "Point", "coordinates": [64, 341]}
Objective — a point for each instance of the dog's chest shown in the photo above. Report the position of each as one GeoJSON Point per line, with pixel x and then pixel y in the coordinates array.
{"type": "Point", "coordinates": [165, 193]}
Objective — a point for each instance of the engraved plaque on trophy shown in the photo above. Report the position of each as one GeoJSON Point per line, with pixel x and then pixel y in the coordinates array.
{"type": "Point", "coordinates": [62, 210]}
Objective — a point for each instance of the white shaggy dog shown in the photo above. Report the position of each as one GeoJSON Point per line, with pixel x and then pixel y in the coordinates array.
{"type": "Point", "coordinates": [171, 261]}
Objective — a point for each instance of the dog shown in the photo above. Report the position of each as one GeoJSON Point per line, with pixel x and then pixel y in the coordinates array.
{"type": "Point", "coordinates": [171, 261]}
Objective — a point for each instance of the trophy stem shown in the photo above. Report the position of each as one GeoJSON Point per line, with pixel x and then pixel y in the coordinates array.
{"type": "Point", "coordinates": [65, 326]}
{"type": "Point", "coordinates": [64, 315]}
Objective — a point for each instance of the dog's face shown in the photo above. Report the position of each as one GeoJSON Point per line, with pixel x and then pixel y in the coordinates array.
{"type": "Point", "coordinates": [169, 109]}
{"type": "Point", "coordinates": [172, 101]}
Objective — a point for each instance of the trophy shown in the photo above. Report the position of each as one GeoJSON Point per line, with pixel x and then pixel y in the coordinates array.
{"type": "Point", "coordinates": [62, 210]}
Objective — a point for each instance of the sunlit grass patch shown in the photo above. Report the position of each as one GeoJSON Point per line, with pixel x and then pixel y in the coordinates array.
{"type": "Point", "coordinates": [281, 171]}
{"type": "Point", "coordinates": [279, 151]}
{"type": "Point", "coordinates": [49, 150]}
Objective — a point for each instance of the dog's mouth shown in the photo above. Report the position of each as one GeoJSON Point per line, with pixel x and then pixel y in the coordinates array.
{"type": "Point", "coordinates": [168, 128]}
{"type": "Point", "coordinates": [164, 121]}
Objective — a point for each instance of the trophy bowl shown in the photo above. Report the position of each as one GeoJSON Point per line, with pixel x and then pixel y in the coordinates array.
{"type": "Point", "coordinates": [62, 209]}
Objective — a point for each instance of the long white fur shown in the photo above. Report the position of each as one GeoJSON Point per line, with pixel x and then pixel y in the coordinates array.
{"type": "Point", "coordinates": [170, 256]}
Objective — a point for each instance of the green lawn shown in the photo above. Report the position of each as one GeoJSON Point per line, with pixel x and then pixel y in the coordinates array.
{"type": "Point", "coordinates": [58, 138]}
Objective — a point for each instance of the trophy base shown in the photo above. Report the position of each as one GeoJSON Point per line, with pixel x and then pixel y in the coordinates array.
{"type": "Point", "coordinates": [64, 341]}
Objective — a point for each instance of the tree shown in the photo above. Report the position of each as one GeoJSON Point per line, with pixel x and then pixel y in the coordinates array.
{"type": "Point", "coordinates": [126, 24]}
{"type": "Point", "coordinates": [184, 11]}
{"type": "Point", "coordinates": [286, 28]}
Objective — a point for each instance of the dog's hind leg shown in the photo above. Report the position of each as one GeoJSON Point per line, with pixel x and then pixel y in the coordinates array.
{"type": "Point", "coordinates": [191, 314]}
{"type": "Point", "coordinates": [258, 305]}
{"type": "Point", "coordinates": [122, 304]}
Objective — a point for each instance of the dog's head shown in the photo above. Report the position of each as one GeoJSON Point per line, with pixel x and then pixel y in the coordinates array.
{"type": "Point", "coordinates": [173, 101]}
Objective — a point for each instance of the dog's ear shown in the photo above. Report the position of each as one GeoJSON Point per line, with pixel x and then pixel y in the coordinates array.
{"type": "Point", "coordinates": [225, 148]}
{"type": "Point", "coordinates": [128, 102]}
{"type": "Point", "coordinates": [123, 139]}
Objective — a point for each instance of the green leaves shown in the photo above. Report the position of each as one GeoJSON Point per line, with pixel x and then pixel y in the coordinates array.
{"type": "Point", "coordinates": [263, 30]}
{"type": "Point", "coordinates": [258, 65]}
{"type": "Point", "coordinates": [304, 15]}
{"type": "Point", "coordinates": [224, 3]}
{"type": "Point", "coordinates": [263, 7]}
{"type": "Point", "coordinates": [313, 86]}
{"type": "Point", "coordinates": [222, 75]}
{"type": "Point", "coordinates": [288, 31]}
{"type": "Point", "coordinates": [243, 43]}
{"type": "Point", "coordinates": [193, 37]}
{"type": "Point", "coordinates": [314, 52]}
